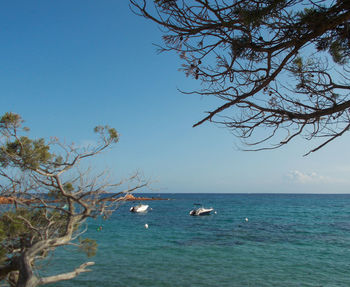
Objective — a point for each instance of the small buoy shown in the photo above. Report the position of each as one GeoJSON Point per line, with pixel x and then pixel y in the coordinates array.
{"type": "Point", "coordinates": [246, 219]}
{"type": "Point", "coordinates": [146, 225]}
{"type": "Point", "coordinates": [215, 212]}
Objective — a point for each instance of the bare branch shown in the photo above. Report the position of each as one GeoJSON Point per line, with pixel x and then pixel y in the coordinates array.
{"type": "Point", "coordinates": [66, 276]}
{"type": "Point", "coordinates": [275, 65]}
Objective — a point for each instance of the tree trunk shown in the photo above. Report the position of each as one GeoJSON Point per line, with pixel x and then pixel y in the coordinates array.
{"type": "Point", "coordinates": [26, 277]}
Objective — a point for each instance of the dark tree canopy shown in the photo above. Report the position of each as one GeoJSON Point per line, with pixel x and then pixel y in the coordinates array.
{"type": "Point", "coordinates": [279, 67]}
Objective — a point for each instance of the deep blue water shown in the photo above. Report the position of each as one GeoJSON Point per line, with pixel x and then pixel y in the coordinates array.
{"type": "Point", "coordinates": [288, 240]}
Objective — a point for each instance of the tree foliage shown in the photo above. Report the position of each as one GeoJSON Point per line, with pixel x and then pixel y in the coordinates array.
{"type": "Point", "coordinates": [280, 68]}
{"type": "Point", "coordinates": [49, 200]}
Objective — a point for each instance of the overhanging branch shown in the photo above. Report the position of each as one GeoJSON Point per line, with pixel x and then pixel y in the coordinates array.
{"type": "Point", "coordinates": [66, 276]}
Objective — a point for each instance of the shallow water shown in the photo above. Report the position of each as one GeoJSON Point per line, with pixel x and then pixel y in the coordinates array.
{"type": "Point", "coordinates": [288, 240]}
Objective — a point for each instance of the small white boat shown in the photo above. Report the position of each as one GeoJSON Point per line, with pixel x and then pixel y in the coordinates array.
{"type": "Point", "coordinates": [201, 211]}
{"type": "Point", "coordinates": [139, 208]}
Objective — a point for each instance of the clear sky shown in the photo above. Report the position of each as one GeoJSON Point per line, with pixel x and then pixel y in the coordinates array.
{"type": "Point", "coordinates": [67, 66]}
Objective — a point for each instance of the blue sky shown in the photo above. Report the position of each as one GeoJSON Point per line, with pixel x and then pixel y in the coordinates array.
{"type": "Point", "coordinates": [67, 66]}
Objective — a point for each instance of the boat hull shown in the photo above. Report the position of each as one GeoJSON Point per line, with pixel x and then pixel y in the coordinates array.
{"type": "Point", "coordinates": [201, 211]}
{"type": "Point", "coordinates": [139, 208]}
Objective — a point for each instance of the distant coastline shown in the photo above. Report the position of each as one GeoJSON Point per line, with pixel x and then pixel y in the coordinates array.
{"type": "Point", "coordinates": [130, 197]}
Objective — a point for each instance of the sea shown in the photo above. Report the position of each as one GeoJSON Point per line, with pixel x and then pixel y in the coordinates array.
{"type": "Point", "coordinates": [250, 240]}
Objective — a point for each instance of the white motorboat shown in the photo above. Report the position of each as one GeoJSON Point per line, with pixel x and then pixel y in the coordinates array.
{"type": "Point", "coordinates": [201, 211]}
{"type": "Point", "coordinates": [139, 208]}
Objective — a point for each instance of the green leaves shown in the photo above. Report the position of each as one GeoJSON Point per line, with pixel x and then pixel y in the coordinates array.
{"type": "Point", "coordinates": [15, 230]}
{"type": "Point", "coordinates": [10, 120]}
{"type": "Point", "coordinates": [165, 3]}
{"type": "Point", "coordinates": [113, 134]}
{"type": "Point", "coordinates": [298, 65]}
{"type": "Point", "coordinates": [53, 195]}
{"type": "Point", "coordinates": [339, 51]}
{"type": "Point", "coordinates": [107, 133]}
{"type": "Point", "coordinates": [89, 246]}
{"type": "Point", "coordinates": [25, 153]}
{"type": "Point", "coordinates": [23, 226]}
{"type": "Point", "coordinates": [68, 186]}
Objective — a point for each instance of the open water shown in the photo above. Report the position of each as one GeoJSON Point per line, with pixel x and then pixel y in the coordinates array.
{"type": "Point", "coordinates": [288, 240]}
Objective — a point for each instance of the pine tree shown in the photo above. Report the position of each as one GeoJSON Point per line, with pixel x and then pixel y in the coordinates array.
{"type": "Point", "coordinates": [49, 198]}
{"type": "Point", "coordinates": [280, 68]}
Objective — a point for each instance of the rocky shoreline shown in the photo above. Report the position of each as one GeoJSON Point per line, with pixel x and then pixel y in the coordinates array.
{"type": "Point", "coordinates": [130, 197]}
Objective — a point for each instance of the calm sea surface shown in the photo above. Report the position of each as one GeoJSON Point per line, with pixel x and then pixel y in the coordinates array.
{"type": "Point", "coordinates": [288, 240]}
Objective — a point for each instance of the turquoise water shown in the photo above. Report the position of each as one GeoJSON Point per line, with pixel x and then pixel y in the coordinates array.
{"type": "Point", "coordinates": [288, 240]}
